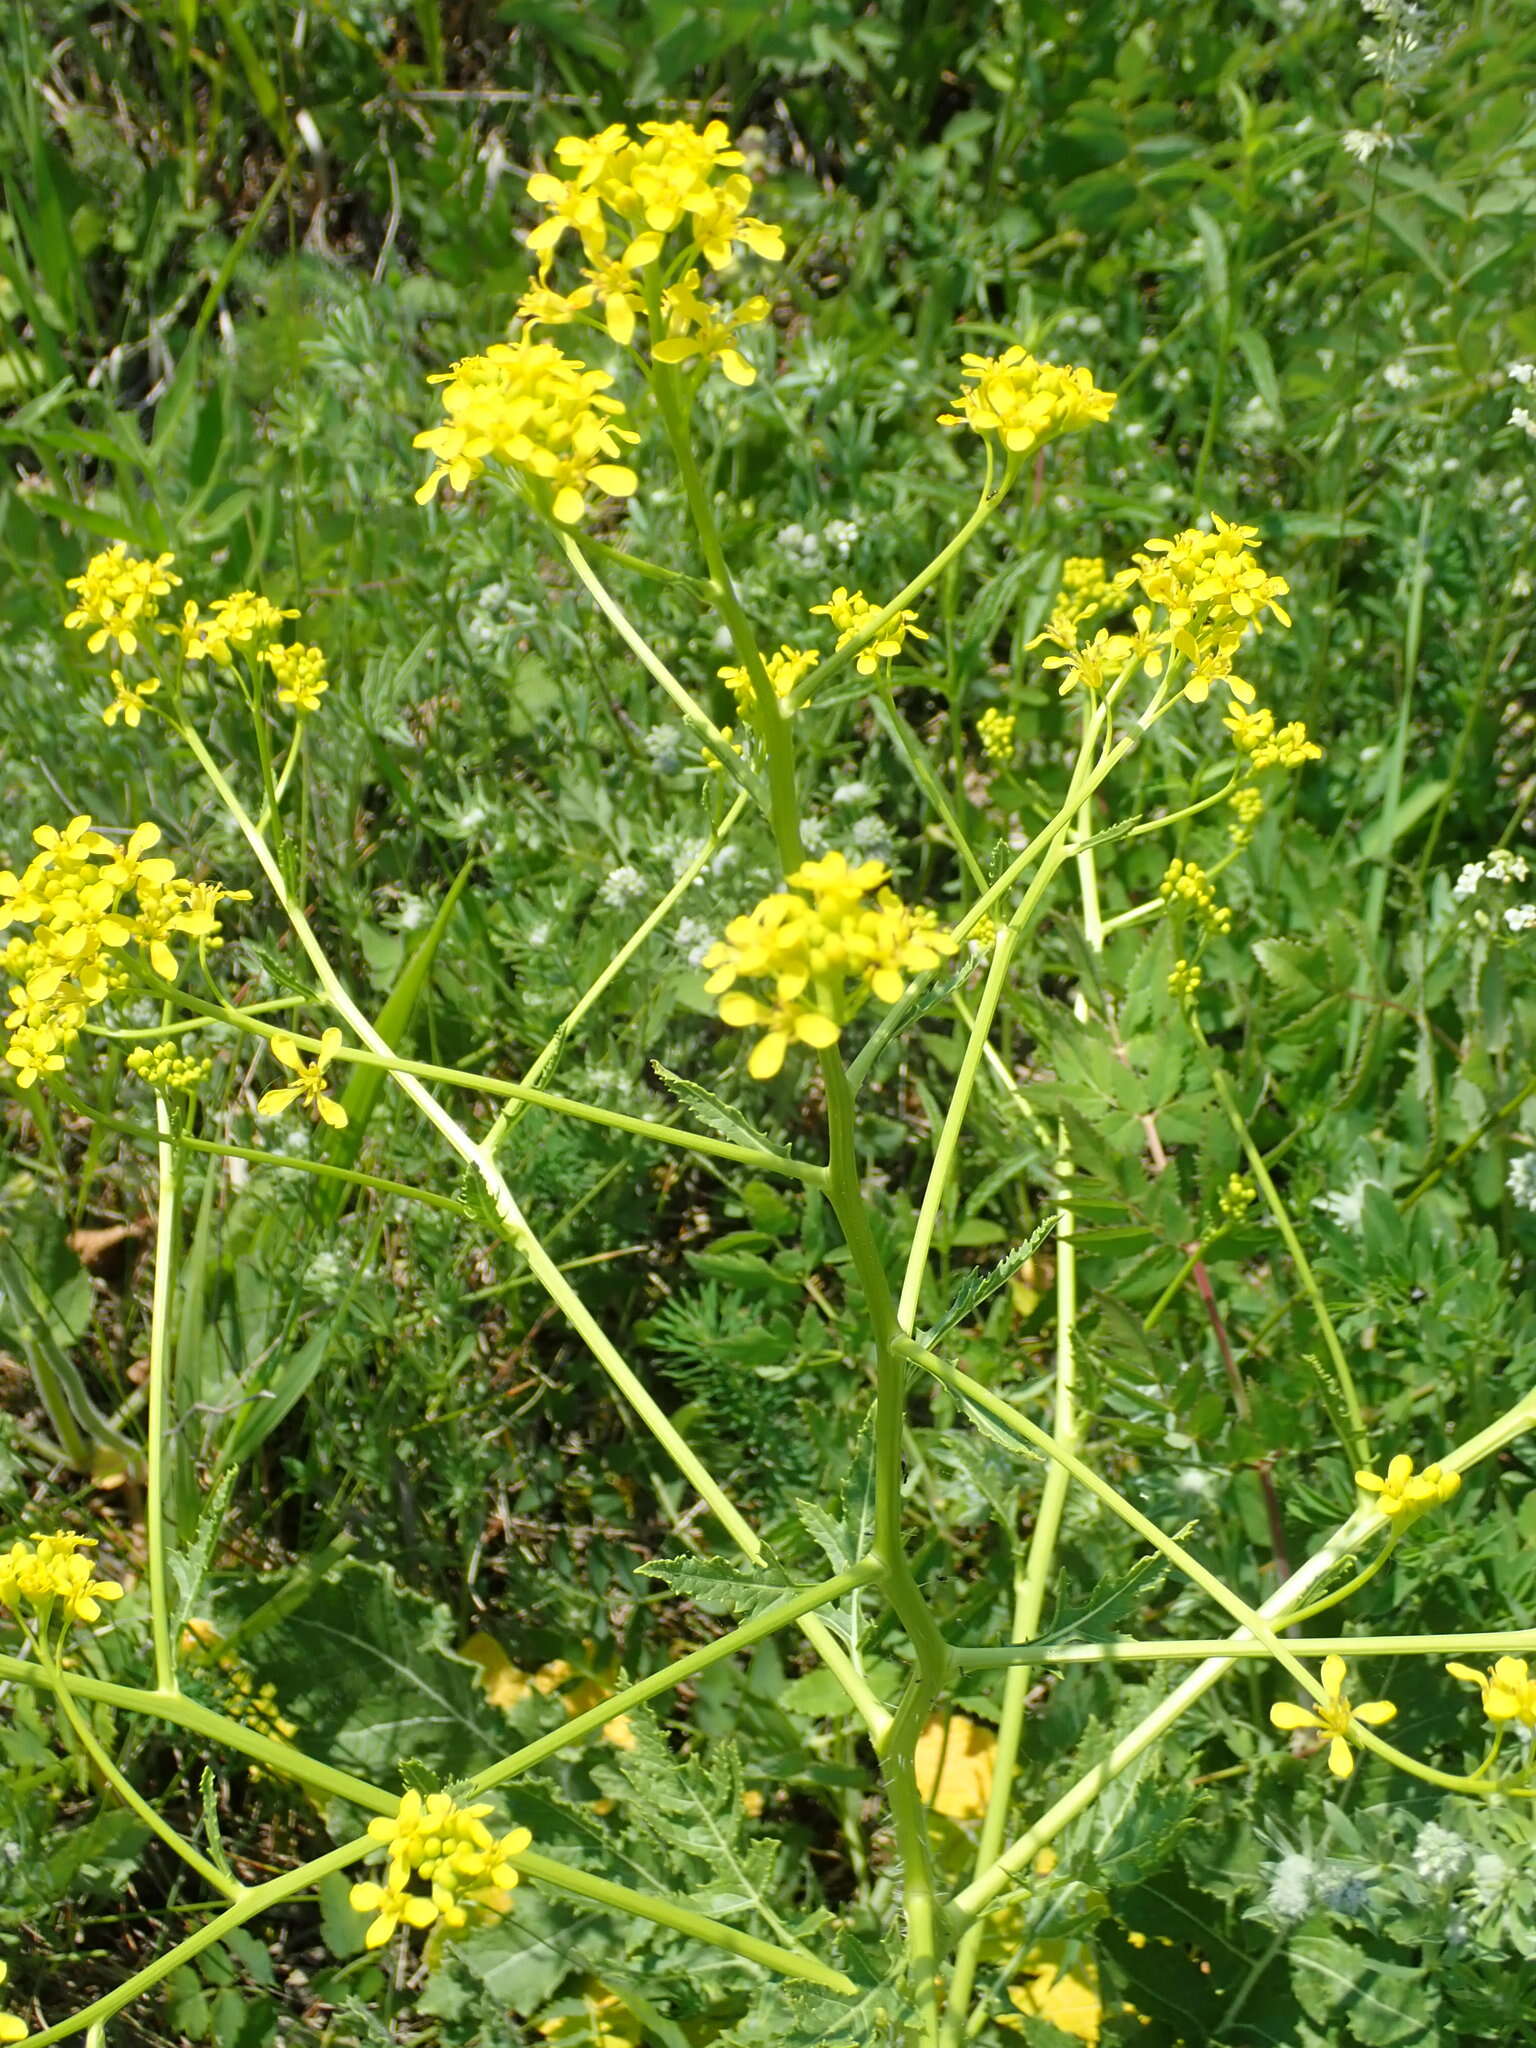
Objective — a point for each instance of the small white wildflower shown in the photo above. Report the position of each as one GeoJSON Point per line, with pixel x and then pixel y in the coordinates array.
{"type": "Point", "coordinates": [1525, 420]}
{"type": "Point", "coordinates": [872, 836]}
{"type": "Point", "coordinates": [664, 744]}
{"type": "Point", "coordinates": [1400, 376]}
{"type": "Point", "coordinates": [1521, 1181]}
{"type": "Point", "coordinates": [1364, 143]}
{"type": "Point", "coordinates": [1291, 1885]}
{"type": "Point", "coordinates": [1490, 1878]}
{"type": "Point", "coordinates": [1520, 583]}
{"type": "Point", "coordinates": [693, 939]}
{"type": "Point", "coordinates": [1504, 866]}
{"type": "Point", "coordinates": [1347, 1207]}
{"type": "Point", "coordinates": [1520, 917]}
{"type": "Point", "coordinates": [852, 792]}
{"type": "Point", "coordinates": [1466, 883]}
{"type": "Point", "coordinates": [622, 885]}
{"type": "Point", "coordinates": [1440, 1857]}
{"type": "Point", "coordinates": [1521, 373]}
{"type": "Point", "coordinates": [814, 832]}
{"type": "Point", "coordinates": [721, 640]}
{"type": "Point", "coordinates": [414, 912]}
{"type": "Point", "coordinates": [841, 536]}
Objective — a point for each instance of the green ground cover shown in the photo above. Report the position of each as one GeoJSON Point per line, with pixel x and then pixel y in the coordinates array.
{"type": "Point", "coordinates": [404, 1516]}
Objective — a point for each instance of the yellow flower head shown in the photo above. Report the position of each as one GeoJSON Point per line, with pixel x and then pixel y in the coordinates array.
{"type": "Point", "coordinates": [166, 1069]}
{"type": "Point", "coordinates": [784, 670]}
{"type": "Point", "coordinates": [1094, 666]}
{"type": "Point", "coordinates": [1236, 1198]}
{"type": "Point", "coordinates": [310, 1085]}
{"type": "Point", "coordinates": [995, 730]}
{"type": "Point", "coordinates": [1247, 807]}
{"type": "Point", "coordinates": [541, 414]}
{"type": "Point", "coordinates": [821, 947]}
{"type": "Point", "coordinates": [468, 1870]}
{"type": "Point", "coordinates": [1185, 888]}
{"type": "Point", "coordinates": [48, 1572]}
{"type": "Point", "coordinates": [128, 699]}
{"type": "Point", "coordinates": [300, 673]}
{"type": "Point", "coordinates": [118, 595]}
{"type": "Point", "coordinates": [1024, 401]}
{"type": "Point", "coordinates": [1185, 979]}
{"type": "Point", "coordinates": [1404, 1493]}
{"type": "Point", "coordinates": [852, 614]}
{"type": "Point", "coordinates": [1334, 1717]}
{"type": "Point", "coordinates": [1288, 748]}
{"type": "Point", "coordinates": [1509, 1691]}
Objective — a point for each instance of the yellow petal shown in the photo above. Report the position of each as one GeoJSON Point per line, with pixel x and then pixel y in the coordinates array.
{"type": "Point", "coordinates": [1333, 1676]}
{"type": "Point", "coordinates": [1286, 1714]}
{"type": "Point", "coordinates": [1375, 1713]}
{"type": "Point", "coordinates": [1341, 1758]}
{"type": "Point", "coordinates": [767, 1056]}
{"type": "Point", "coordinates": [330, 1111]}
{"type": "Point", "coordinates": [276, 1100]}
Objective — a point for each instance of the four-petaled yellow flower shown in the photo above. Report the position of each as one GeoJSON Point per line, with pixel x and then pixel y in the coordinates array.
{"type": "Point", "coordinates": [468, 1870]}
{"type": "Point", "coordinates": [128, 699]}
{"type": "Point", "coordinates": [1025, 401]}
{"type": "Point", "coordinates": [11, 2028]}
{"type": "Point", "coordinates": [1509, 1691]}
{"type": "Point", "coordinates": [1334, 1717]}
{"type": "Point", "coordinates": [852, 614]}
{"type": "Point", "coordinates": [697, 328]}
{"type": "Point", "coordinates": [1095, 665]}
{"type": "Point", "coordinates": [783, 670]}
{"type": "Point", "coordinates": [1404, 1493]}
{"type": "Point", "coordinates": [44, 1572]}
{"type": "Point", "coordinates": [311, 1086]}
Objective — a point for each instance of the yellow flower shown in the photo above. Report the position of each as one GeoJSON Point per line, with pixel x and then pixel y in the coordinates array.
{"type": "Point", "coordinates": [712, 760]}
{"type": "Point", "coordinates": [1247, 807]}
{"type": "Point", "coordinates": [41, 1572]}
{"type": "Point", "coordinates": [118, 594]}
{"type": "Point", "coordinates": [1236, 1198]}
{"type": "Point", "coordinates": [311, 1086]}
{"type": "Point", "coordinates": [784, 670]}
{"type": "Point", "coordinates": [1249, 729]}
{"type": "Point", "coordinates": [611, 281]}
{"type": "Point", "coordinates": [1100, 662]}
{"type": "Point", "coordinates": [954, 1760]}
{"type": "Point", "coordinates": [543, 414]}
{"type": "Point", "coordinates": [852, 614]}
{"type": "Point", "coordinates": [540, 306]}
{"type": "Point", "coordinates": [1406, 1493]}
{"type": "Point", "coordinates": [1334, 1717]}
{"type": "Point", "coordinates": [468, 1869]}
{"type": "Point", "coordinates": [300, 673]}
{"type": "Point", "coordinates": [1509, 1691]}
{"type": "Point", "coordinates": [1068, 1999]}
{"type": "Point", "coordinates": [1289, 748]}
{"type": "Point", "coordinates": [1025, 401]}
{"type": "Point", "coordinates": [11, 2028]}
{"type": "Point", "coordinates": [165, 1068]}
{"type": "Point", "coordinates": [995, 730]}
{"type": "Point", "coordinates": [696, 328]}
{"type": "Point", "coordinates": [128, 699]}
{"type": "Point", "coordinates": [1186, 887]}
{"type": "Point", "coordinates": [822, 948]}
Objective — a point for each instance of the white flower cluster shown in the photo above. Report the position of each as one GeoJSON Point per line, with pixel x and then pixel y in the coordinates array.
{"type": "Point", "coordinates": [1364, 143]}
{"type": "Point", "coordinates": [838, 538]}
{"type": "Point", "coordinates": [1439, 1856]}
{"type": "Point", "coordinates": [1498, 866]}
{"type": "Point", "coordinates": [1521, 1181]}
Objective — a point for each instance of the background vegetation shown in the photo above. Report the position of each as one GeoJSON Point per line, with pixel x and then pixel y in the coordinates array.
{"type": "Point", "coordinates": [1297, 239]}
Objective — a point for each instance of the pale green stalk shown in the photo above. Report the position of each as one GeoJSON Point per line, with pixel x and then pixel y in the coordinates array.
{"type": "Point", "coordinates": [1509, 1642]}
{"type": "Point", "coordinates": [167, 1213]}
{"type": "Point", "coordinates": [1032, 1587]}
{"type": "Point", "coordinates": [518, 1233]}
{"type": "Point", "coordinates": [545, 1058]}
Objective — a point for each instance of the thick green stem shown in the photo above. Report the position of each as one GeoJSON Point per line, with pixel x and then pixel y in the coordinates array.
{"type": "Point", "coordinates": [1509, 1642]}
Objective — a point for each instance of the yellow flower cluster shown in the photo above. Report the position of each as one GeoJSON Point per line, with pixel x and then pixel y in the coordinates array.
{"type": "Point", "coordinates": [300, 673]}
{"type": "Point", "coordinates": [1185, 979]}
{"type": "Point", "coordinates": [821, 947]}
{"type": "Point", "coordinates": [44, 1572]}
{"type": "Point", "coordinates": [230, 622]}
{"type": "Point", "coordinates": [310, 1085]}
{"type": "Point", "coordinates": [995, 729]}
{"type": "Point", "coordinates": [852, 614]}
{"type": "Point", "coordinates": [1236, 1198]}
{"type": "Point", "coordinates": [1247, 807]}
{"type": "Point", "coordinates": [1335, 1718]}
{"type": "Point", "coordinates": [74, 894]}
{"type": "Point", "coordinates": [467, 1868]}
{"type": "Point", "coordinates": [1094, 666]}
{"type": "Point", "coordinates": [544, 415]}
{"type": "Point", "coordinates": [11, 2028]}
{"type": "Point", "coordinates": [118, 597]}
{"type": "Point", "coordinates": [1185, 887]}
{"type": "Point", "coordinates": [670, 177]}
{"type": "Point", "coordinates": [1406, 1494]}
{"type": "Point", "coordinates": [166, 1068]}
{"type": "Point", "coordinates": [1254, 734]}
{"type": "Point", "coordinates": [1509, 1691]}
{"type": "Point", "coordinates": [1084, 590]}
{"type": "Point", "coordinates": [784, 670]}
{"type": "Point", "coordinates": [1024, 401]}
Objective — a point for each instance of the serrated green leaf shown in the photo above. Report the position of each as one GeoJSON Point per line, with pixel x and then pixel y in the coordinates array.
{"type": "Point", "coordinates": [716, 1585]}
{"type": "Point", "coordinates": [981, 1283]}
{"type": "Point", "coordinates": [1115, 1596]}
{"type": "Point", "coordinates": [716, 1115]}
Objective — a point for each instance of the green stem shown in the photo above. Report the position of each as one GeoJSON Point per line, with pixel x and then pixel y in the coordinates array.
{"type": "Point", "coordinates": [1358, 1445]}
{"type": "Point", "coordinates": [664, 1913]}
{"type": "Point", "coordinates": [228, 1887]}
{"type": "Point", "coordinates": [892, 722]}
{"type": "Point", "coordinates": [167, 1214]}
{"type": "Point", "coordinates": [754, 1631]}
{"type": "Point", "coordinates": [1509, 1642]}
{"type": "Point", "coordinates": [669, 386]}
{"type": "Point", "coordinates": [550, 1051]}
